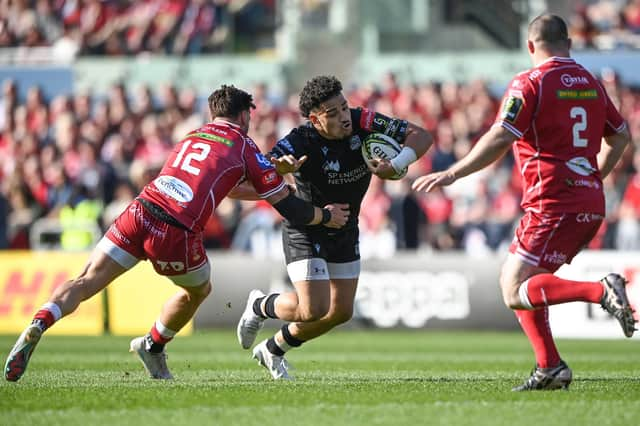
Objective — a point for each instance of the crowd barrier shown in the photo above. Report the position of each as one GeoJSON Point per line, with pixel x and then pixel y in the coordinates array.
{"type": "Point", "coordinates": [421, 291]}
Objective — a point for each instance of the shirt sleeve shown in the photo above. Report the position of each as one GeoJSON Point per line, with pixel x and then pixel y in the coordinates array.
{"type": "Point", "coordinates": [285, 146]}
{"type": "Point", "coordinates": [615, 122]}
{"type": "Point", "coordinates": [518, 106]}
{"type": "Point", "coordinates": [260, 172]}
{"type": "Point", "coordinates": [374, 122]}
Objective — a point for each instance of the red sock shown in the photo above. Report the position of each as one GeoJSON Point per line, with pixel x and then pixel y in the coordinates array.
{"type": "Point", "coordinates": [536, 326]}
{"type": "Point", "coordinates": [160, 334]}
{"type": "Point", "coordinates": [48, 314]}
{"type": "Point", "coordinates": [547, 289]}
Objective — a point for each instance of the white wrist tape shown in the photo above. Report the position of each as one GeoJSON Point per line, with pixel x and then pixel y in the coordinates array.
{"type": "Point", "coordinates": [406, 156]}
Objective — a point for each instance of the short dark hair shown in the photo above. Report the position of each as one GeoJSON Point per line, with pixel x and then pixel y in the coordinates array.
{"type": "Point", "coordinates": [229, 101]}
{"type": "Point", "coordinates": [549, 29]}
{"type": "Point", "coordinates": [316, 91]}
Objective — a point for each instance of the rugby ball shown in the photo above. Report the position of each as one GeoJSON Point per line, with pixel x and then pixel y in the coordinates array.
{"type": "Point", "coordinates": [381, 146]}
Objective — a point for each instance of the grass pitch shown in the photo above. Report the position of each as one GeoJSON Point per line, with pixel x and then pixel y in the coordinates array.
{"type": "Point", "coordinates": [345, 378]}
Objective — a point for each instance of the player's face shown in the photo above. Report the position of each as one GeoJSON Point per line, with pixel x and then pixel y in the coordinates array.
{"type": "Point", "coordinates": [333, 118]}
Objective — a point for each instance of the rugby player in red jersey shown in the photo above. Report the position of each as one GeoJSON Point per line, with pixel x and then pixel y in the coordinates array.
{"type": "Point", "coordinates": [555, 117]}
{"type": "Point", "coordinates": [164, 224]}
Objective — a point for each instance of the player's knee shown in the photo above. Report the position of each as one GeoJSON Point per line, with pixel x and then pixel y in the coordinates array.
{"type": "Point", "coordinates": [198, 294]}
{"type": "Point", "coordinates": [313, 312]}
{"type": "Point", "coordinates": [510, 295]}
{"type": "Point", "coordinates": [340, 316]}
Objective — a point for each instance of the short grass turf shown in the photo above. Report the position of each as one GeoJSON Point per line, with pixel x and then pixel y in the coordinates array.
{"type": "Point", "coordinates": [345, 378]}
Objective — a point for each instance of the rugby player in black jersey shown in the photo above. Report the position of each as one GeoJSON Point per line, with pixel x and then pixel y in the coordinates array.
{"type": "Point", "coordinates": [325, 159]}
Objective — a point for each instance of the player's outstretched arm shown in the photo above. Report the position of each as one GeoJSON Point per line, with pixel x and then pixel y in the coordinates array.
{"type": "Point", "coordinates": [491, 146]}
{"type": "Point", "coordinates": [612, 150]}
{"type": "Point", "coordinates": [301, 213]}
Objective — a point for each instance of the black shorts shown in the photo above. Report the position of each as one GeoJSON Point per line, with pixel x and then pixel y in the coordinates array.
{"type": "Point", "coordinates": [332, 246]}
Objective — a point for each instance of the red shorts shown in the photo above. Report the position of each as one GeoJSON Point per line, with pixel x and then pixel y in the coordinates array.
{"type": "Point", "coordinates": [136, 235]}
{"type": "Point", "coordinates": [551, 240]}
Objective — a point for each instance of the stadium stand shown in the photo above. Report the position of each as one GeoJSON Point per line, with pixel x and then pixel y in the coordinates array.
{"type": "Point", "coordinates": [61, 149]}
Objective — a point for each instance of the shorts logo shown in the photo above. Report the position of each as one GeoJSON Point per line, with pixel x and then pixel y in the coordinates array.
{"type": "Point", "coordinates": [556, 258]}
{"type": "Point", "coordinates": [175, 266]}
{"type": "Point", "coordinates": [174, 188]}
{"type": "Point", "coordinates": [570, 80]}
{"type": "Point", "coordinates": [366, 119]}
{"type": "Point", "coordinates": [511, 108]}
{"type": "Point", "coordinates": [588, 217]}
{"type": "Point", "coordinates": [263, 162]}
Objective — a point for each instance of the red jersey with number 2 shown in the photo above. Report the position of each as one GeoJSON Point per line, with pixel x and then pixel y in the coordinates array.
{"type": "Point", "coordinates": [559, 112]}
{"type": "Point", "coordinates": [202, 169]}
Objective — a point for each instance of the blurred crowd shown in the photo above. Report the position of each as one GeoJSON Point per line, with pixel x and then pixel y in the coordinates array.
{"type": "Point", "coordinates": [127, 27]}
{"type": "Point", "coordinates": [80, 159]}
{"type": "Point", "coordinates": [605, 24]}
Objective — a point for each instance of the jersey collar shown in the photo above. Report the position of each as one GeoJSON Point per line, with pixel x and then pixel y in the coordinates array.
{"type": "Point", "coordinates": [223, 121]}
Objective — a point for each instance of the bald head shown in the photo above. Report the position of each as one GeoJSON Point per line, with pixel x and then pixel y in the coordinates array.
{"type": "Point", "coordinates": [549, 32]}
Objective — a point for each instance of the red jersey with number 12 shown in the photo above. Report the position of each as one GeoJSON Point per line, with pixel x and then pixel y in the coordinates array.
{"type": "Point", "coordinates": [202, 169]}
{"type": "Point", "coordinates": [560, 112]}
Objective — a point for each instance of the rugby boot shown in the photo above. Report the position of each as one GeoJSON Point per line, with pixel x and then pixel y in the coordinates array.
{"type": "Point", "coordinates": [614, 300]}
{"type": "Point", "coordinates": [558, 377]}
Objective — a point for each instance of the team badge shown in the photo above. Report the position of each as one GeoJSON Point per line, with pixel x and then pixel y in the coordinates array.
{"type": "Point", "coordinates": [324, 150]}
{"type": "Point", "coordinates": [355, 143]}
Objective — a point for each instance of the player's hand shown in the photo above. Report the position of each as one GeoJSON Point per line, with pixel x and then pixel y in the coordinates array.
{"type": "Point", "coordinates": [382, 168]}
{"type": "Point", "coordinates": [339, 215]}
{"type": "Point", "coordinates": [427, 182]}
{"type": "Point", "coordinates": [287, 163]}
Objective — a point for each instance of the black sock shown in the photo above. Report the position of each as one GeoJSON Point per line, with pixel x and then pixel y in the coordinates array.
{"type": "Point", "coordinates": [294, 342]}
{"type": "Point", "coordinates": [152, 346]}
{"type": "Point", "coordinates": [273, 347]}
{"type": "Point", "coordinates": [256, 307]}
{"type": "Point", "coordinates": [270, 306]}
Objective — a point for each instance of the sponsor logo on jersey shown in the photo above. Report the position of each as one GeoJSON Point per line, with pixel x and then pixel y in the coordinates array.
{"type": "Point", "coordinates": [355, 142]}
{"type": "Point", "coordinates": [516, 84]}
{"type": "Point", "coordinates": [285, 145]}
{"type": "Point", "coordinates": [174, 188]}
{"type": "Point", "coordinates": [263, 162]}
{"type": "Point", "coordinates": [588, 217]}
{"type": "Point", "coordinates": [582, 183]}
{"type": "Point", "coordinates": [534, 74]}
{"type": "Point", "coordinates": [380, 123]}
{"type": "Point", "coordinates": [577, 94]}
{"type": "Point", "coordinates": [269, 177]}
{"type": "Point", "coordinates": [581, 166]}
{"type": "Point", "coordinates": [511, 108]}
{"type": "Point", "coordinates": [333, 166]}
{"type": "Point", "coordinates": [366, 119]}
{"type": "Point", "coordinates": [316, 246]}
{"type": "Point", "coordinates": [212, 138]}
{"type": "Point", "coordinates": [557, 258]}
{"type": "Point", "coordinates": [569, 80]}
{"type": "Point", "coordinates": [324, 150]}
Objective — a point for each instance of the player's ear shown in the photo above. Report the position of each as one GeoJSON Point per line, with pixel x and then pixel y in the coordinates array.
{"type": "Point", "coordinates": [313, 118]}
{"type": "Point", "coordinates": [531, 47]}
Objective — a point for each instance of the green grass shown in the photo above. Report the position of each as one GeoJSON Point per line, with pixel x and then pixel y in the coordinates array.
{"type": "Point", "coordinates": [345, 378]}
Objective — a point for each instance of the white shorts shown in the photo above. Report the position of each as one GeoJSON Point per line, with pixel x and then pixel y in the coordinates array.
{"type": "Point", "coordinates": [316, 269]}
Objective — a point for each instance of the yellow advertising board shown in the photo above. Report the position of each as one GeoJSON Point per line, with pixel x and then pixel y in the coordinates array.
{"type": "Point", "coordinates": [135, 300]}
{"type": "Point", "coordinates": [27, 279]}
